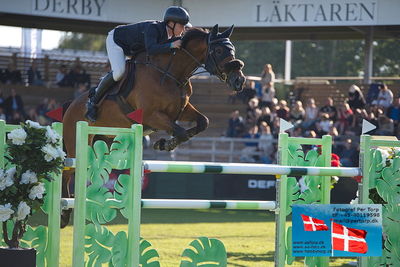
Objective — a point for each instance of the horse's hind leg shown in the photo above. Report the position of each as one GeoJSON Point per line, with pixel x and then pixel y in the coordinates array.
{"type": "Point", "coordinates": [65, 214]}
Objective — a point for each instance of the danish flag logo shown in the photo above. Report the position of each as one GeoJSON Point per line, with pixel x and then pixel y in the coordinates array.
{"type": "Point", "coordinates": [348, 239]}
{"type": "Point", "coordinates": [313, 224]}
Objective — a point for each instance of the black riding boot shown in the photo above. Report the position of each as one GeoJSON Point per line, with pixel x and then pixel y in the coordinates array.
{"type": "Point", "coordinates": [106, 82]}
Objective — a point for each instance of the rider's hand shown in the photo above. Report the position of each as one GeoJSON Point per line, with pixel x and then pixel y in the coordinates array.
{"type": "Point", "coordinates": [176, 44]}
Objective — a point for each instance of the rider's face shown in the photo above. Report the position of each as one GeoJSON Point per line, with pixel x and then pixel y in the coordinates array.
{"type": "Point", "coordinates": [179, 28]}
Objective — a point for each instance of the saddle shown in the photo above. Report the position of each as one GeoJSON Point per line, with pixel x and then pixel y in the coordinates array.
{"type": "Point", "coordinates": [122, 89]}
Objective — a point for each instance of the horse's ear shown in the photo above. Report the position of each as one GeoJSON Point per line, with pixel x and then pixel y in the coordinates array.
{"type": "Point", "coordinates": [214, 30]}
{"type": "Point", "coordinates": [228, 32]}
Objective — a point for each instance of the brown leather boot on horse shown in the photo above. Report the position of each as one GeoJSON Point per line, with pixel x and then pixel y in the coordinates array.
{"type": "Point", "coordinates": [97, 94]}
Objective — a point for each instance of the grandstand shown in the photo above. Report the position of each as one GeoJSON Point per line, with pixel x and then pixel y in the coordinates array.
{"type": "Point", "coordinates": [209, 95]}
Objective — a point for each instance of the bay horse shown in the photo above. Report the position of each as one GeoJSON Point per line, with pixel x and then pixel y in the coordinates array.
{"type": "Point", "coordinates": [162, 90]}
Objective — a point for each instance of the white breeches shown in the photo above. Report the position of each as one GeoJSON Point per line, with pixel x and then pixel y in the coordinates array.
{"type": "Point", "coordinates": [116, 56]}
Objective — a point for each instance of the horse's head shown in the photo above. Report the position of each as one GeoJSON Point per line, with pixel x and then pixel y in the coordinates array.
{"type": "Point", "coordinates": [220, 59]}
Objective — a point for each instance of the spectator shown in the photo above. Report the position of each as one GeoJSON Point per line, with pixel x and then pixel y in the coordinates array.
{"type": "Point", "coordinates": [297, 132]}
{"type": "Point", "coordinates": [12, 75]}
{"type": "Point", "coordinates": [324, 125]}
{"type": "Point", "coordinates": [253, 113]}
{"type": "Point", "coordinates": [2, 114]}
{"type": "Point", "coordinates": [385, 97]}
{"type": "Point", "coordinates": [248, 153]}
{"type": "Point", "coordinates": [16, 117]}
{"type": "Point", "coordinates": [267, 86]}
{"type": "Point", "coordinates": [78, 75]}
{"type": "Point", "coordinates": [235, 125]}
{"type": "Point", "coordinates": [329, 109]}
{"type": "Point", "coordinates": [42, 108]}
{"type": "Point", "coordinates": [34, 75]}
{"type": "Point", "coordinates": [283, 110]}
{"type": "Point", "coordinates": [393, 112]}
{"type": "Point", "coordinates": [2, 78]}
{"type": "Point", "coordinates": [62, 78]}
{"type": "Point", "coordinates": [81, 89]}
{"type": "Point", "coordinates": [275, 126]}
{"type": "Point", "coordinates": [297, 113]}
{"type": "Point", "coordinates": [385, 126]}
{"type": "Point", "coordinates": [266, 116]}
{"type": "Point", "coordinates": [14, 103]}
{"type": "Point", "coordinates": [2, 99]}
{"type": "Point", "coordinates": [266, 143]}
{"type": "Point", "coordinates": [345, 118]}
{"type": "Point", "coordinates": [356, 97]}
{"type": "Point", "coordinates": [32, 115]}
{"type": "Point", "coordinates": [348, 154]}
{"type": "Point", "coordinates": [311, 114]}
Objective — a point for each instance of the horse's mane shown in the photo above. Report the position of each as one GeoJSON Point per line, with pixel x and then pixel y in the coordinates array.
{"type": "Point", "coordinates": [193, 33]}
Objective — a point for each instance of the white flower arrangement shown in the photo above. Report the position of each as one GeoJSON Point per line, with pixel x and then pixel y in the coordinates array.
{"type": "Point", "coordinates": [5, 212]}
{"type": "Point", "coordinates": [28, 177]}
{"type": "Point", "coordinates": [22, 187]}
{"type": "Point", "coordinates": [17, 136]}
{"type": "Point", "coordinates": [5, 180]}
{"type": "Point", "coordinates": [52, 136]}
{"type": "Point", "coordinates": [22, 211]}
{"type": "Point", "coordinates": [37, 191]}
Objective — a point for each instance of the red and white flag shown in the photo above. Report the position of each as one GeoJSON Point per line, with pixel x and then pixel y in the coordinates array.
{"type": "Point", "coordinates": [348, 239]}
{"type": "Point", "coordinates": [313, 224]}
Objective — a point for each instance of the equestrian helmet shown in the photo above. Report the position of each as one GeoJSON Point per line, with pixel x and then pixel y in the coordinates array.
{"type": "Point", "coordinates": [176, 14]}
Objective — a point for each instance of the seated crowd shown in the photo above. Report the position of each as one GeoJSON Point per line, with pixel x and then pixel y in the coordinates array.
{"type": "Point", "coordinates": [73, 77]}
{"type": "Point", "coordinates": [13, 110]}
{"type": "Point", "coordinates": [342, 121]}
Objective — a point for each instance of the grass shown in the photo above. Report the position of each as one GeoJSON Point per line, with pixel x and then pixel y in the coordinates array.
{"type": "Point", "coordinates": [249, 236]}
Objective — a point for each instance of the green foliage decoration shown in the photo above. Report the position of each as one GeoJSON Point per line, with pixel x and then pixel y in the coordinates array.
{"type": "Point", "coordinates": [385, 189]}
{"type": "Point", "coordinates": [204, 252]}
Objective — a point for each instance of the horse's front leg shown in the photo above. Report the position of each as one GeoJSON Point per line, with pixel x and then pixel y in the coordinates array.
{"type": "Point", "coordinates": [190, 113]}
{"type": "Point", "coordinates": [161, 121]}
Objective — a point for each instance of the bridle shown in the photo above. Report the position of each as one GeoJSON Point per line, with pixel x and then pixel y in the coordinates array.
{"type": "Point", "coordinates": [211, 66]}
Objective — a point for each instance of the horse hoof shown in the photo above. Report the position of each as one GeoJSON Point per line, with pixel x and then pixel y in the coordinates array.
{"type": "Point", "coordinates": [65, 215]}
{"type": "Point", "coordinates": [171, 144]}
{"type": "Point", "coordinates": [160, 144]}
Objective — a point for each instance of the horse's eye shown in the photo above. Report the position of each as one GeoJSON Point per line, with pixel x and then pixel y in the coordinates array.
{"type": "Point", "coordinates": [218, 51]}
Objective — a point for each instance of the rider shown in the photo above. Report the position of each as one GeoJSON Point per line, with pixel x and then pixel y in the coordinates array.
{"type": "Point", "coordinates": [129, 40]}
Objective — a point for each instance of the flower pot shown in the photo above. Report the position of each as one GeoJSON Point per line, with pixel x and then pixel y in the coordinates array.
{"type": "Point", "coordinates": [13, 257]}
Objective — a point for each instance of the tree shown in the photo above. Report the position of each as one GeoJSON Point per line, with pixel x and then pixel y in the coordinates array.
{"type": "Point", "coordinates": [83, 41]}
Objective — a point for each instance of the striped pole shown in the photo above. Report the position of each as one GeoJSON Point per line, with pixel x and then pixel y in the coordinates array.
{"type": "Point", "coordinates": [246, 168]}
{"type": "Point", "coordinates": [69, 203]}
{"type": "Point", "coordinates": [239, 168]}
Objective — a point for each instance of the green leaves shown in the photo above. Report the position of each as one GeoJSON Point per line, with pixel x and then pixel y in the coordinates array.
{"type": "Point", "coordinates": [293, 192]}
{"type": "Point", "coordinates": [121, 193]}
{"type": "Point", "coordinates": [204, 252]}
{"type": "Point", "coordinates": [98, 241]}
{"type": "Point", "coordinates": [98, 208]}
{"type": "Point", "coordinates": [99, 164]}
{"type": "Point", "coordinates": [121, 151]}
{"type": "Point", "coordinates": [148, 255]}
{"type": "Point", "coordinates": [389, 186]}
{"type": "Point", "coordinates": [119, 249]}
